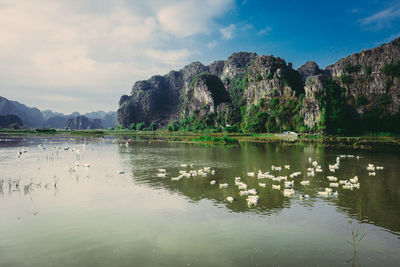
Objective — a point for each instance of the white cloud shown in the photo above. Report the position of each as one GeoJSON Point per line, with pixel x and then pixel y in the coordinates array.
{"type": "Point", "coordinates": [228, 32]}
{"type": "Point", "coordinates": [264, 31]}
{"type": "Point", "coordinates": [212, 44]}
{"type": "Point", "coordinates": [187, 18]}
{"type": "Point", "coordinates": [52, 52]}
{"type": "Point", "coordinates": [168, 57]}
{"type": "Point", "coordinates": [382, 18]}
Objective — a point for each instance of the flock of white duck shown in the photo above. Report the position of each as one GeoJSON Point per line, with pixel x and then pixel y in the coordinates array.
{"type": "Point", "coordinates": [279, 181]}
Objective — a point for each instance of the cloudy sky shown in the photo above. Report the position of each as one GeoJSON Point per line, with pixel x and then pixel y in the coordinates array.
{"type": "Point", "coordinates": [82, 55]}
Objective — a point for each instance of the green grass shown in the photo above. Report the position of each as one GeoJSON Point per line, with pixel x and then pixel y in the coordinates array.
{"type": "Point", "coordinates": [88, 132]}
{"type": "Point", "coordinates": [382, 134]}
{"type": "Point", "coordinates": [312, 136]}
{"type": "Point", "coordinates": [367, 139]}
{"type": "Point", "coordinates": [51, 131]}
{"type": "Point", "coordinates": [262, 135]}
{"type": "Point", "coordinates": [28, 131]}
{"type": "Point", "coordinates": [216, 140]}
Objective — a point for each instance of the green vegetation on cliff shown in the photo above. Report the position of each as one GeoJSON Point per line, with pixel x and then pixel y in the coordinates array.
{"type": "Point", "coordinates": [392, 70]}
{"type": "Point", "coordinates": [340, 117]}
{"type": "Point", "coordinates": [277, 117]}
{"type": "Point", "coordinates": [351, 68]}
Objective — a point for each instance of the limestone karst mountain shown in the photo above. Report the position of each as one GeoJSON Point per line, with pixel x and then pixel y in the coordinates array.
{"type": "Point", "coordinates": [255, 93]}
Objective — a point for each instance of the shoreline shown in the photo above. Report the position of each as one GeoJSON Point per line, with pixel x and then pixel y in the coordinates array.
{"type": "Point", "coordinates": [357, 142]}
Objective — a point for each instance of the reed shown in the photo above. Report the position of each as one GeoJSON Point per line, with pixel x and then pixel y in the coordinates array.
{"type": "Point", "coordinates": [28, 188]}
{"type": "Point", "coordinates": [356, 237]}
{"type": "Point", "coordinates": [17, 182]}
{"type": "Point", "coordinates": [1, 185]}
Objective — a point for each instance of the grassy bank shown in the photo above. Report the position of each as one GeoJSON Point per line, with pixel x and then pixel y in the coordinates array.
{"type": "Point", "coordinates": [216, 140]}
{"type": "Point", "coordinates": [365, 141]}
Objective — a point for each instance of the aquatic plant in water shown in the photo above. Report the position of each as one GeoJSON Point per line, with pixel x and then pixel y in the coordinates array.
{"type": "Point", "coordinates": [356, 237]}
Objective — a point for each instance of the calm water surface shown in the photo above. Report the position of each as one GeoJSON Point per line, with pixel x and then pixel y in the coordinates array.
{"type": "Point", "coordinates": [53, 213]}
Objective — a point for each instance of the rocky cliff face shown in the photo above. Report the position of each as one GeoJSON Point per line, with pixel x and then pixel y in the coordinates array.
{"type": "Point", "coordinates": [271, 77]}
{"type": "Point", "coordinates": [264, 93]}
{"type": "Point", "coordinates": [311, 108]}
{"type": "Point", "coordinates": [310, 68]}
{"type": "Point", "coordinates": [204, 95]}
{"type": "Point", "coordinates": [362, 76]}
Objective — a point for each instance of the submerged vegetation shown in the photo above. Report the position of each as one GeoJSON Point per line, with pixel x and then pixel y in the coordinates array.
{"type": "Point", "coordinates": [356, 237]}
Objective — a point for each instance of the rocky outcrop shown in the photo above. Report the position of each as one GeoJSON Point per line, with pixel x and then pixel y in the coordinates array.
{"type": "Point", "coordinates": [265, 93]}
{"type": "Point", "coordinates": [204, 95]}
{"type": "Point", "coordinates": [156, 99]}
{"type": "Point", "coordinates": [310, 68]}
{"type": "Point", "coordinates": [311, 107]}
{"type": "Point", "coordinates": [271, 77]}
{"type": "Point", "coordinates": [237, 64]}
{"type": "Point", "coordinates": [362, 76]}
{"type": "Point", "coordinates": [196, 89]}
{"type": "Point", "coordinates": [83, 123]}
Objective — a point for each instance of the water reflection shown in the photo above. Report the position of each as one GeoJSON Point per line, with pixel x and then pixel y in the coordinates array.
{"type": "Point", "coordinates": [377, 201]}
{"type": "Point", "coordinates": [57, 212]}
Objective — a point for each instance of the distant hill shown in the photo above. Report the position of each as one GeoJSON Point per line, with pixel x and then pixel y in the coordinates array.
{"type": "Point", "coordinates": [108, 119]}
{"type": "Point", "coordinates": [10, 122]}
{"type": "Point", "coordinates": [60, 120]}
{"type": "Point", "coordinates": [32, 117]}
{"type": "Point", "coordinates": [83, 123]}
{"type": "Point", "coordinates": [47, 114]}
{"type": "Point", "coordinates": [57, 122]}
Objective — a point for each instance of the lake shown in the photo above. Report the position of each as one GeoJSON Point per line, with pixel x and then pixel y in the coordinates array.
{"type": "Point", "coordinates": [117, 211]}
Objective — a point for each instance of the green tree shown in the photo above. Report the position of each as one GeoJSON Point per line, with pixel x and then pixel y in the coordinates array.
{"type": "Point", "coordinates": [140, 126]}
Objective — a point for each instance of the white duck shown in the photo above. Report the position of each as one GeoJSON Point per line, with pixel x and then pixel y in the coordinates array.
{"type": "Point", "coordinates": [230, 199]}
{"type": "Point", "coordinates": [223, 185]}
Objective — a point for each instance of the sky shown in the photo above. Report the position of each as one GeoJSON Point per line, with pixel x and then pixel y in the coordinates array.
{"type": "Point", "coordinates": [83, 55]}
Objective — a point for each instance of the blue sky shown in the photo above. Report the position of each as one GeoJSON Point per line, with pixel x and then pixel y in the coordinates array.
{"type": "Point", "coordinates": [82, 55]}
{"type": "Point", "coordinates": [323, 31]}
